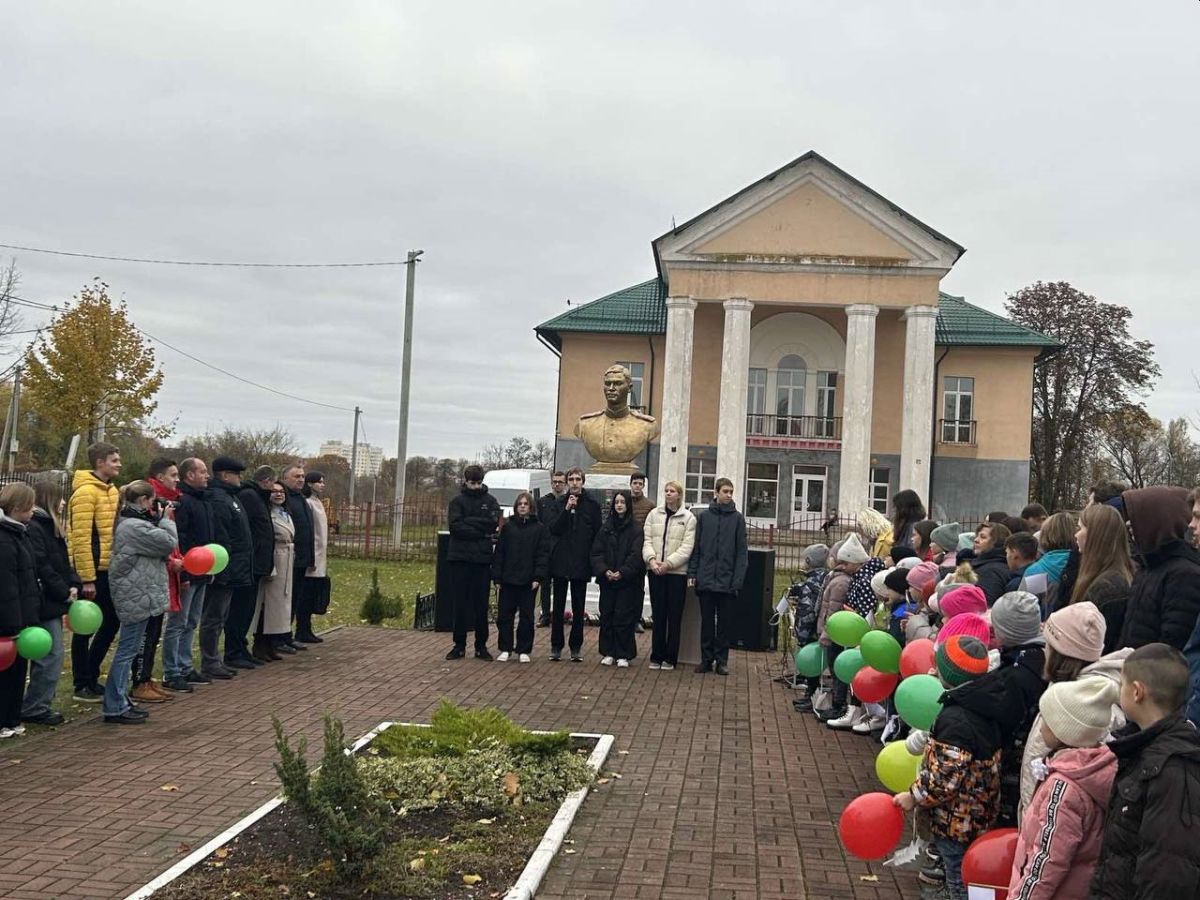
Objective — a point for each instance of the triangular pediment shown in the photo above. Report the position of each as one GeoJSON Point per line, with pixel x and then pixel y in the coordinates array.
{"type": "Point", "coordinates": [808, 214]}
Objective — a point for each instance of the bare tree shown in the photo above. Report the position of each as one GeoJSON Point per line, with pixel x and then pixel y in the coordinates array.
{"type": "Point", "coordinates": [255, 447]}
{"type": "Point", "coordinates": [10, 314]}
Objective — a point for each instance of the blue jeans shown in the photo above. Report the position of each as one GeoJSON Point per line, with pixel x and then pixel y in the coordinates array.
{"type": "Point", "coordinates": [116, 687]}
{"type": "Point", "coordinates": [177, 634]}
{"type": "Point", "coordinates": [952, 857]}
{"type": "Point", "coordinates": [44, 672]}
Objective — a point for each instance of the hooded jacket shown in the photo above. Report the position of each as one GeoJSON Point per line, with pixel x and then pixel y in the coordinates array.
{"type": "Point", "coordinates": [20, 596]}
{"type": "Point", "coordinates": [959, 778]}
{"type": "Point", "coordinates": [833, 598]}
{"type": "Point", "coordinates": [670, 538]}
{"type": "Point", "coordinates": [1035, 748]}
{"type": "Point", "coordinates": [473, 516]}
{"type": "Point", "coordinates": [1164, 599]}
{"type": "Point", "coordinates": [91, 515]}
{"type": "Point", "coordinates": [992, 573]}
{"type": "Point", "coordinates": [1059, 840]}
{"type": "Point", "coordinates": [1149, 849]}
{"type": "Point", "coordinates": [138, 574]}
{"type": "Point", "coordinates": [719, 558]}
{"type": "Point", "coordinates": [54, 570]}
{"type": "Point", "coordinates": [256, 503]}
{"type": "Point", "coordinates": [573, 533]}
{"type": "Point", "coordinates": [618, 547]}
{"type": "Point", "coordinates": [1018, 686]}
{"type": "Point", "coordinates": [232, 527]}
{"type": "Point", "coordinates": [522, 552]}
{"type": "Point", "coordinates": [1110, 594]}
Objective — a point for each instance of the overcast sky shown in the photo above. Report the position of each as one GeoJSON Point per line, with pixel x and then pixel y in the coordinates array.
{"type": "Point", "coordinates": [533, 150]}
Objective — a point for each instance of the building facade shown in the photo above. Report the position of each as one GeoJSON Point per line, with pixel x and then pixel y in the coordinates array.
{"type": "Point", "coordinates": [796, 340]}
{"type": "Point", "coordinates": [368, 463]}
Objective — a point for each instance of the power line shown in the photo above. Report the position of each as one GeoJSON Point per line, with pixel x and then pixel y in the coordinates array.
{"type": "Point", "coordinates": [189, 262]}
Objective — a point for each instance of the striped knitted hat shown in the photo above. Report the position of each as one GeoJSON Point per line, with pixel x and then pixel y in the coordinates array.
{"type": "Point", "coordinates": [961, 658]}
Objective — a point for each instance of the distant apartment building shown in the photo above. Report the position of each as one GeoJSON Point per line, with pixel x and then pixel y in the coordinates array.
{"type": "Point", "coordinates": [370, 457]}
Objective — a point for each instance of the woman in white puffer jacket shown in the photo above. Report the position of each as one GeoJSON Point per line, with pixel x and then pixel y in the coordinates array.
{"type": "Point", "coordinates": [669, 535]}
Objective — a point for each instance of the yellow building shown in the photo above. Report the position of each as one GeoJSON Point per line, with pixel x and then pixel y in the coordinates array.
{"type": "Point", "coordinates": [796, 340]}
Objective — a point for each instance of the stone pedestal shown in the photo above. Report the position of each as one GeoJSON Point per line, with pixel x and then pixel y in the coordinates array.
{"type": "Point", "coordinates": [689, 635]}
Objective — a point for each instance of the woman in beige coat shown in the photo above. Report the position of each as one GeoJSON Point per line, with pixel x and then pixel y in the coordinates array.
{"type": "Point", "coordinates": [668, 538]}
{"type": "Point", "coordinates": [275, 591]}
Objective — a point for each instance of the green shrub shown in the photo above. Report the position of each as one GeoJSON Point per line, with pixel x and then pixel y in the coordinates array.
{"type": "Point", "coordinates": [374, 607]}
{"type": "Point", "coordinates": [453, 731]}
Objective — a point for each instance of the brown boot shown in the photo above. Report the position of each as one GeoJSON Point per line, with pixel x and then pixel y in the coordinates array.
{"type": "Point", "coordinates": [145, 693]}
{"type": "Point", "coordinates": [162, 691]}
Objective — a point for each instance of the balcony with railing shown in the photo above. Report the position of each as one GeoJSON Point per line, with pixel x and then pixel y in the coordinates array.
{"type": "Point", "coordinates": [957, 431]}
{"type": "Point", "coordinates": [818, 432]}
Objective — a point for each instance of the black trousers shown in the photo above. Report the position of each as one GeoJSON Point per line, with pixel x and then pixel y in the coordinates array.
{"type": "Point", "coordinates": [472, 585]}
{"type": "Point", "coordinates": [237, 623]}
{"type": "Point", "coordinates": [516, 601]}
{"type": "Point", "coordinates": [143, 663]}
{"type": "Point", "coordinates": [667, 596]}
{"type": "Point", "coordinates": [620, 608]}
{"type": "Point", "coordinates": [542, 595]}
{"type": "Point", "coordinates": [301, 608]}
{"type": "Point", "coordinates": [578, 596]}
{"type": "Point", "coordinates": [716, 610]}
{"type": "Point", "coordinates": [841, 690]}
{"type": "Point", "coordinates": [88, 651]}
{"type": "Point", "coordinates": [12, 692]}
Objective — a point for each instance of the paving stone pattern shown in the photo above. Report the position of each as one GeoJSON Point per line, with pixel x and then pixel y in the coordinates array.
{"type": "Point", "coordinates": [725, 792]}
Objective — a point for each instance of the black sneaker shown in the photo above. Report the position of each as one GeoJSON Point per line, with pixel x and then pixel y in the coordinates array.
{"type": "Point", "coordinates": [638, 628]}
{"type": "Point", "coordinates": [543, 622]}
{"type": "Point", "coordinates": [309, 638]}
{"type": "Point", "coordinates": [126, 718]}
{"type": "Point", "coordinates": [137, 711]}
{"type": "Point", "coordinates": [703, 669]}
{"type": "Point", "coordinates": [240, 664]}
{"type": "Point", "coordinates": [456, 653]}
{"type": "Point", "coordinates": [296, 645]}
{"type": "Point", "coordinates": [802, 705]}
{"type": "Point", "coordinates": [833, 712]}
{"type": "Point", "coordinates": [722, 669]}
{"type": "Point", "coordinates": [178, 683]}
{"type": "Point", "coordinates": [576, 656]}
{"type": "Point", "coordinates": [47, 718]}
{"type": "Point", "coordinates": [221, 674]}
{"type": "Point", "coordinates": [932, 874]}
{"type": "Point", "coordinates": [87, 695]}
{"type": "Point", "coordinates": [286, 649]}
{"type": "Point", "coordinates": [194, 677]}
{"type": "Point", "coordinates": [555, 655]}
{"type": "Point", "coordinates": [483, 654]}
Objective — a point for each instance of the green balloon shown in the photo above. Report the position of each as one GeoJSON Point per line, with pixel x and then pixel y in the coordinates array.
{"type": "Point", "coordinates": [220, 558]}
{"type": "Point", "coordinates": [881, 651]}
{"type": "Point", "coordinates": [34, 642]}
{"type": "Point", "coordinates": [846, 628]}
{"type": "Point", "coordinates": [810, 660]}
{"type": "Point", "coordinates": [896, 767]}
{"type": "Point", "coordinates": [846, 666]}
{"type": "Point", "coordinates": [919, 700]}
{"type": "Point", "coordinates": [84, 617]}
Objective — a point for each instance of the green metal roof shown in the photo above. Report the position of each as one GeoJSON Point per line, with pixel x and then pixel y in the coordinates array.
{"type": "Point", "coordinates": [642, 309]}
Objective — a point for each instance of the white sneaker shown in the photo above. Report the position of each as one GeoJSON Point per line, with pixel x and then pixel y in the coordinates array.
{"type": "Point", "coordinates": [868, 724]}
{"type": "Point", "coordinates": [854, 715]}
{"type": "Point", "coordinates": [6, 733]}
{"type": "Point", "coordinates": [524, 657]}
{"type": "Point", "coordinates": [666, 667]}
{"type": "Point", "coordinates": [17, 730]}
{"type": "Point", "coordinates": [622, 664]}
{"type": "Point", "coordinates": [607, 661]}
{"type": "Point", "coordinates": [503, 657]}
{"type": "Point", "coordinates": [655, 665]}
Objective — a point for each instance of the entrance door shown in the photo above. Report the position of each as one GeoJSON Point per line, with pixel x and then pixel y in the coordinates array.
{"type": "Point", "coordinates": [808, 496]}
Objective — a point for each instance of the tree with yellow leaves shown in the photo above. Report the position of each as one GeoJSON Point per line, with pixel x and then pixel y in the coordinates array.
{"type": "Point", "coordinates": [91, 366]}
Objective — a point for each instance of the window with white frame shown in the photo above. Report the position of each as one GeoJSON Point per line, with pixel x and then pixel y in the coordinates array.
{"type": "Point", "coordinates": [756, 401]}
{"type": "Point", "coordinates": [880, 489]}
{"type": "Point", "coordinates": [958, 407]}
{"type": "Point", "coordinates": [637, 372]}
{"type": "Point", "coordinates": [762, 491]}
{"type": "Point", "coordinates": [826, 403]}
{"type": "Point", "coordinates": [700, 480]}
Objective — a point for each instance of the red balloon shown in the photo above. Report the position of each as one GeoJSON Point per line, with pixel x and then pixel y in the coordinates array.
{"type": "Point", "coordinates": [870, 827]}
{"type": "Point", "coordinates": [8, 652]}
{"type": "Point", "coordinates": [198, 561]}
{"type": "Point", "coordinates": [916, 658]}
{"type": "Point", "coordinates": [988, 861]}
{"type": "Point", "coordinates": [872, 686]}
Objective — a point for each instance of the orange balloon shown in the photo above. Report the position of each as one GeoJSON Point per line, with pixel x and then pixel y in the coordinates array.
{"type": "Point", "coordinates": [916, 658]}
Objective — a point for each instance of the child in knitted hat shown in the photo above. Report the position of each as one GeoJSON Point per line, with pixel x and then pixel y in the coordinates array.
{"type": "Point", "coordinates": [971, 624]}
{"type": "Point", "coordinates": [963, 598]}
{"type": "Point", "coordinates": [1074, 639]}
{"type": "Point", "coordinates": [943, 542]}
{"type": "Point", "coordinates": [959, 779]}
{"type": "Point", "coordinates": [845, 558]}
{"type": "Point", "coordinates": [1059, 841]}
{"type": "Point", "coordinates": [805, 597]}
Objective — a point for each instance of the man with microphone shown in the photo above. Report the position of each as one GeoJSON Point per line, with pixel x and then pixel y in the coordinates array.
{"type": "Point", "coordinates": [571, 562]}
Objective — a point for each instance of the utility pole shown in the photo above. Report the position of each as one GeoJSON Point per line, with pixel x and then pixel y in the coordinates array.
{"type": "Point", "coordinates": [354, 455]}
{"type": "Point", "coordinates": [405, 378]}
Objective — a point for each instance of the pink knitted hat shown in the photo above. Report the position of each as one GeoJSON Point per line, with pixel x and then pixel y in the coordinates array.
{"type": "Point", "coordinates": [923, 578]}
{"type": "Point", "coordinates": [966, 598]}
{"type": "Point", "coordinates": [1077, 631]}
{"type": "Point", "coordinates": [965, 623]}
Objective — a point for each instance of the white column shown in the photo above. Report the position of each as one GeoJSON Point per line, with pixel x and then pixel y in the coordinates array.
{"type": "Point", "coordinates": [677, 393]}
{"type": "Point", "coordinates": [735, 376]}
{"type": "Point", "coordinates": [916, 434]}
{"type": "Point", "coordinates": [855, 477]}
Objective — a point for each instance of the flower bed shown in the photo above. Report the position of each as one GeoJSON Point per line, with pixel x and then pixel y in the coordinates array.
{"type": "Point", "coordinates": [468, 806]}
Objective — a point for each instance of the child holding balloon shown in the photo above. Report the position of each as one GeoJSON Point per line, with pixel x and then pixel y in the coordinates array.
{"type": "Point", "coordinates": [19, 595]}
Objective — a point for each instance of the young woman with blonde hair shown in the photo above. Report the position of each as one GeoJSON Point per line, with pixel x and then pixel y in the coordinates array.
{"type": "Point", "coordinates": [19, 594]}
{"type": "Point", "coordinates": [1105, 568]}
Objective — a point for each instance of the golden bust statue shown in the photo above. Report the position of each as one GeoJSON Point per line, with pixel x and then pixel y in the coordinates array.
{"type": "Point", "coordinates": [615, 435]}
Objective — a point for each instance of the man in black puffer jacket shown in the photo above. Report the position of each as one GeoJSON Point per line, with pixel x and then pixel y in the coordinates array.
{"type": "Point", "coordinates": [254, 497]}
{"type": "Point", "coordinates": [474, 516]}
{"type": "Point", "coordinates": [1164, 599]}
{"type": "Point", "coordinates": [194, 521]}
{"type": "Point", "coordinates": [233, 533]}
{"type": "Point", "coordinates": [716, 570]}
{"type": "Point", "coordinates": [578, 518]}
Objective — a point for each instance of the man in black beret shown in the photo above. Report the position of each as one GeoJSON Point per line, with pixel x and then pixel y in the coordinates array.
{"type": "Point", "coordinates": [231, 525]}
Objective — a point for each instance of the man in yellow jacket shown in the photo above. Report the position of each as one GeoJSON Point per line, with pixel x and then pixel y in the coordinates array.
{"type": "Point", "coordinates": [91, 516]}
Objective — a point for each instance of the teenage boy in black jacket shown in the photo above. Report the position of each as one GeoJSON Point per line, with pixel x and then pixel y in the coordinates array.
{"type": "Point", "coordinates": [574, 531]}
{"type": "Point", "coordinates": [716, 570]}
{"type": "Point", "coordinates": [194, 522]}
{"type": "Point", "coordinates": [548, 507]}
{"type": "Point", "coordinates": [474, 516]}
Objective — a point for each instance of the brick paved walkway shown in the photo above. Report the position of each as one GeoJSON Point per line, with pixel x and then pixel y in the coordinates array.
{"type": "Point", "coordinates": [725, 791]}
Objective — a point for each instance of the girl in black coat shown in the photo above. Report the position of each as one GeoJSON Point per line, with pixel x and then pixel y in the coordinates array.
{"type": "Point", "coordinates": [19, 596]}
{"type": "Point", "coordinates": [519, 565]}
{"type": "Point", "coordinates": [618, 567]}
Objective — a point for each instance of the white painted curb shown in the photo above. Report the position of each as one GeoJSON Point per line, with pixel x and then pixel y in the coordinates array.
{"type": "Point", "coordinates": [531, 876]}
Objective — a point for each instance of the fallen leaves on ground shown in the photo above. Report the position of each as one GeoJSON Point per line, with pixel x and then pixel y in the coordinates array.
{"type": "Point", "coordinates": [512, 784]}
{"type": "Point", "coordinates": [169, 787]}
{"type": "Point", "coordinates": [471, 880]}
{"type": "Point", "coordinates": [416, 865]}
{"type": "Point", "coordinates": [868, 877]}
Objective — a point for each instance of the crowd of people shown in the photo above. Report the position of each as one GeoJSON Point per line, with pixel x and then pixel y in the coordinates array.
{"type": "Point", "coordinates": [1064, 645]}
{"type": "Point", "coordinates": [559, 542]}
{"type": "Point", "coordinates": [124, 549]}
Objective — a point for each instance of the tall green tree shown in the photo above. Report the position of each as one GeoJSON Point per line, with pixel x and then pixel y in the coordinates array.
{"type": "Point", "coordinates": [1101, 367]}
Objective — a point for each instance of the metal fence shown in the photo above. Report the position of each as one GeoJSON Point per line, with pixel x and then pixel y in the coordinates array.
{"type": "Point", "coordinates": [367, 530]}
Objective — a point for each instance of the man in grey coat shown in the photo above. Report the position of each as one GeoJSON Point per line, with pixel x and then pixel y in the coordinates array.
{"type": "Point", "coordinates": [716, 570]}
